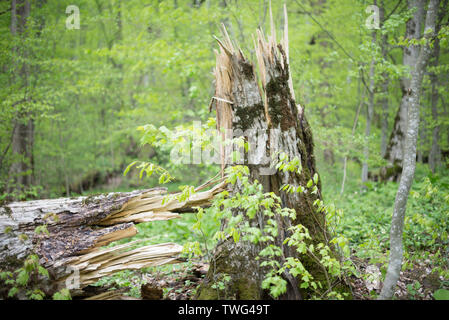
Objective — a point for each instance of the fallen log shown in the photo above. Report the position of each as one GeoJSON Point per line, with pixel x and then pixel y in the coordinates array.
{"type": "Point", "coordinates": [67, 233]}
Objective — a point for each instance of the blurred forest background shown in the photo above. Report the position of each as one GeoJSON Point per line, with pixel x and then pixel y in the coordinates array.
{"type": "Point", "coordinates": [71, 101]}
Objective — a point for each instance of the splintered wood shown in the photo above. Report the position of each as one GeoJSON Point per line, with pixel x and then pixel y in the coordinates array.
{"type": "Point", "coordinates": [104, 262]}
{"type": "Point", "coordinates": [75, 229]}
{"type": "Point", "coordinates": [152, 207]}
{"type": "Point", "coordinates": [269, 53]}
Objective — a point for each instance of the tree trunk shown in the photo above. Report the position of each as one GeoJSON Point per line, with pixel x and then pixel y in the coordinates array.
{"type": "Point", "coordinates": [78, 227]}
{"type": "Point", "coordinates": [435, 150]}
{"type": "Point", "coordinates": [354, 126]}
{"type": "Point", "coordinates": [272, 117]}
{"type": "Point", "coordinates": [422, 139]}
{"type": "Point", "coordinates": [395, 148]}
{"type": "Point", "coordinates": [409, 163]}
{"type": "Point", "coordinates": [385, 85]}
{"type": "Point", "coordinates": [384, 121]}
{"type": "Point", "coordinates": [369, 115]}
{"type": "Point", "coordinates": [22, 167]}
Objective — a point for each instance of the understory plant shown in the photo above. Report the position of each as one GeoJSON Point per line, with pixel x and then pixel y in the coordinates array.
{"type": "Point", "coordinates": [253, 202]}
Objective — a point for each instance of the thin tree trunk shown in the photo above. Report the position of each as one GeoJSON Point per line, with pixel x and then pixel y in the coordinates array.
{"type": "Point", "coordinates": [369, 116]}
{"type": "Point", "coordinates": [422, 139]}
{"type": "Point", "coordinates": [384, 121]}
{"type": "Point", "coordinates": [409, 163]}
{"type": "Point", "coordinates": [21, 170]}
{"type": "Point", "coordinates": [385, 84]}
{"type": "Point", "coordinates": [395, 148]}
{"type": "Point", "coordinates": [435, 151]}
{"type": "Point", "coordinates": [354, 126]}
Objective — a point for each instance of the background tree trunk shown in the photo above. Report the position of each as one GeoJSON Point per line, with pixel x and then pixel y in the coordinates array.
{"type": "Point", "coordinates": [409, 163]}
{"type": "Point", "coordinates": [369, 114]}
{"type": "Point", "coordinates": [395, 148]}
{"type": "Point", "coordinates": [435, 150]}
{"type": "Point", "coordinates": [21, 170]}
{"type": "Point", "coordinates": [361, 95]}
{"type": "Point", "coordinates": [385, 85]}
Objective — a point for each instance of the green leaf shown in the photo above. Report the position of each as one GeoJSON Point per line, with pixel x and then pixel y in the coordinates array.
{"type": "Point", "coordinates": [22, 278]}
{"type": "Point", "coordinates": [43, 271]}
{"type": "Point", "coordinates": [441, 294]}
{"type": "Point", "coordinates": [162, 179]}
{"type": "Point", "coordinates": [63, 294]}
{"type": "Point", "coordinates": [41, 229]}
{"type": "Point", "coordinates": [129, 167]}
{"type": "Point", "coordinates": [36, 294]}
{"type": "Point", "coordinates": [309, 183]}
{"type": "Point", "coordinates": [12, 292]}
{"type": "Point", "coordinates": [235, 235]}
{"type": "Point", "coordinates": [23, 237]}
{"type": "Point", "coordinates": [251, 213]}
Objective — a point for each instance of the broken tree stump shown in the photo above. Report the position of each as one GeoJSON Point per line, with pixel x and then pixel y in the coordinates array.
{"type": "Point", "coordinates": [268, 117]}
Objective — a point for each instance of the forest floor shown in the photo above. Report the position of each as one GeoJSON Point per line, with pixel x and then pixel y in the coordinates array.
{"type": "Point", "coordinates": [419, 283]}
{"type": "Point", "coordinates": [181, 282]}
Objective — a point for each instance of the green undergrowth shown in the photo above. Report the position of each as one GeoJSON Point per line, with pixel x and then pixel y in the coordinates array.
{"type": "Point", "coordinates": [366, 218]}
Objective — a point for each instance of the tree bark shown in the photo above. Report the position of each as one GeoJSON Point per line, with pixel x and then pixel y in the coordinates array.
{"type": "Point", "coordinates": [384, 121]}
{"type": "Point", "coordinates": [369, 114]}
{"type": "Point", "coordinates": [385, 85]}
{"type": "Point", "coordinates": [435, 150]}
{"type": "Point", "coordinates": [78, 227]}
{"type": "Point", "coordinates": [395, 148]}
{"type": "Point", "coordinates": [409, 162]}
{"type": "Point", "coordinates": [255, 114]}
{"type": "Point", "coordinates": [21, 170]}
{"type": "Point", "coordinates": [354, 126]}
